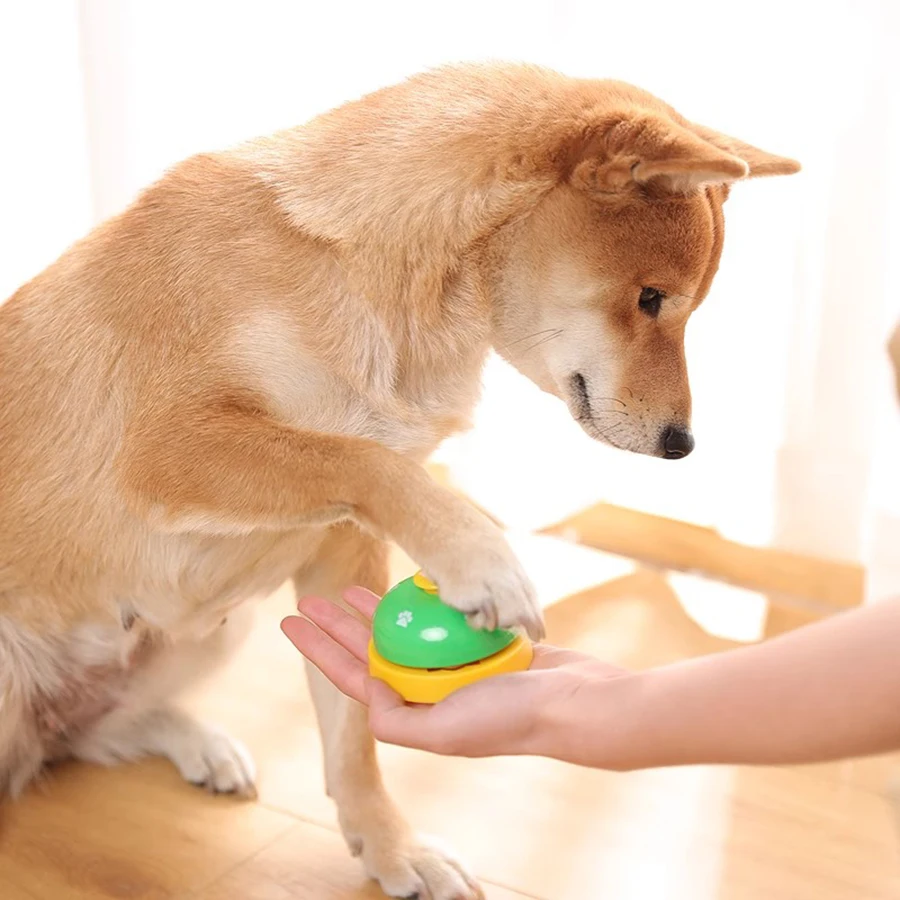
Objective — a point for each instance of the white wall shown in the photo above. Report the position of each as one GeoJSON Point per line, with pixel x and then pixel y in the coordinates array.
{"type": "Point", "coordinates": [44, 187]}
{"type": "Point", "coordinates": [785, 355]}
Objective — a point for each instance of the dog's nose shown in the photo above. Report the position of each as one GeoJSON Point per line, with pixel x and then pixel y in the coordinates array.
{"type": "Point", "coordinates": [676, 442]}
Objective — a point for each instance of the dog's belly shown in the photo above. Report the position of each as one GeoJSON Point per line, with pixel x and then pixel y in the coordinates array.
{"type": "Point", "coordinates": [192, 582]}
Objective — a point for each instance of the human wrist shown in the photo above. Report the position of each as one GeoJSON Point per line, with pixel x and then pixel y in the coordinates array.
{"type": "Point", "coordinates": [595, 719]}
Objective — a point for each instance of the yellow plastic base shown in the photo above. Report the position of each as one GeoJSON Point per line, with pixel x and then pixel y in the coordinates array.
{"type": "Point", "coordinates": [433, 685]}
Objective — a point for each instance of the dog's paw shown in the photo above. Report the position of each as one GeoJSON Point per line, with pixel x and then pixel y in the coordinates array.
{"type": "Point", "coordinates": [213, 760]}
{"type": "Point", "coordinates": [203, 755]}
{"type": "Point", "coordinates": [415, 867]}
{"type": "Point", "coordinates": [482, 578]}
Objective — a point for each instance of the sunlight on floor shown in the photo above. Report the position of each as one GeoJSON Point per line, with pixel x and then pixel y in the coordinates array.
{"type": "Point", "coordinates": [725, 611]}
{"type": "Point", "coordinates": [683, 863]}
{"type": "Point", "coordinates": [559, 568]}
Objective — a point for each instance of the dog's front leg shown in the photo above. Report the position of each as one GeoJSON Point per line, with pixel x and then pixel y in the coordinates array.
{"type": "Point", "coordinates": [404, 863]}
{"type": "Point", "coordinates": [225, 468]}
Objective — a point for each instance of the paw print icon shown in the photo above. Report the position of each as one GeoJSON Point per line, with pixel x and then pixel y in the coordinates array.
{"type": "Point", "coordinates": [404, 618]}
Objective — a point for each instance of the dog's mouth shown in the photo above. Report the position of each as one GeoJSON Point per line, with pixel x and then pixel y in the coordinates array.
{"type": "Point", "coordinates": [582, 412]}
{"type": "Point", "coordinates": [615, 427]}
{"type": "Point", "coordinates": [582, 398]}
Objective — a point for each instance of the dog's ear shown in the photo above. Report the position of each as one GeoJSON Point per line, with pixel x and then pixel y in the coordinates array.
{"type": "Point", "coordinates": [760, 162]}
{"type": "Point", "coordinates": [650, 149]}
{"type": "Point", "coordinates": [894, 353]}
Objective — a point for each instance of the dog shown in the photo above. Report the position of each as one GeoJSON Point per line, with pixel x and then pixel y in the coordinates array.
{"type": "Point", "coordinates": [237, 380]}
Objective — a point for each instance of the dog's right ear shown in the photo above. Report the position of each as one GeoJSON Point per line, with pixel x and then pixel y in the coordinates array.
{"type": "Point", "coordinates": [760, 162]}
{"type": "Point", "coordinates": [894, 353]}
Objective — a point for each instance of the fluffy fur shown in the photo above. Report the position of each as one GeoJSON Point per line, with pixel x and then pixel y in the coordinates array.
{"type": "Point", "coordinates": [236, 381]}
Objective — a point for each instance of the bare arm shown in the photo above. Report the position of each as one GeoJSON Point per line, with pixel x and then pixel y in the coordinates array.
{"type": "Point", "coordinates": [827, 691]}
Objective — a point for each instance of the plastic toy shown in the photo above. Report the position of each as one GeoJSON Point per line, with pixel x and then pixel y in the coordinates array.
{"type": "Point", "coordinates": [426, 650]}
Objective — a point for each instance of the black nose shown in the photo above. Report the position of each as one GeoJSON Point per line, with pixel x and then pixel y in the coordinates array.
{"type": "Point", "coordinates": [676, 443]}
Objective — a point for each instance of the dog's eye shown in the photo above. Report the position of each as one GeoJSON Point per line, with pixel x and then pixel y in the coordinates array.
{"type": "Point", "coordinates": [651, 300]}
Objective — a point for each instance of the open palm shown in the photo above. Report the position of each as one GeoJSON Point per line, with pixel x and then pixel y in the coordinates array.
{"type": "Point", "coordinates": [505, 714]}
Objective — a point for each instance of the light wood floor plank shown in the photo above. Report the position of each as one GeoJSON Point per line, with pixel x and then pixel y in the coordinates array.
{"type": "Point", "coordinates": [685, 547]}
{"type": "Point", "coordinates": [308, 862]}
{"type": "Point", "coordinates": [132, 832]}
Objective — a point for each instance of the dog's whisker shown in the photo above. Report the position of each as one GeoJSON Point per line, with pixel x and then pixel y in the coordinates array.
{"type": "Point", "coordinates": [543, 340]}
{"type": "Point", "coordinates": [536, 344]}
{"type": "Point", "coordinates": [608, 434]}
{"type": "Point", "coordinates": [528, 337]}
{"type": "Point", "coordinates": [605, 434]}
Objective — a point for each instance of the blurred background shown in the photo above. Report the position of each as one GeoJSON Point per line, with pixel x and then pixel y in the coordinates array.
{"type": "Point", "coordinates": [795, 472]}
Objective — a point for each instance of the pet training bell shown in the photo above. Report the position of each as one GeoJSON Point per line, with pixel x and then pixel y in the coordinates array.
{"type": "Point", "coordinates": [426, 650]}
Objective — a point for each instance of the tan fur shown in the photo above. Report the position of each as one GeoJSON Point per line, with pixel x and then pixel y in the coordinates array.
{"type": "Point", "coordinates": [270, 341]}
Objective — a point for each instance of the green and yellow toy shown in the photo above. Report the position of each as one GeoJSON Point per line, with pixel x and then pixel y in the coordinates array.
{"type": "Point", "coordinates": [426, 650]}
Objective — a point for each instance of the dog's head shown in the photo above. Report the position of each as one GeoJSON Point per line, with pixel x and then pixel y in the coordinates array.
{"type": "Point", "coordinates": [595, 287]}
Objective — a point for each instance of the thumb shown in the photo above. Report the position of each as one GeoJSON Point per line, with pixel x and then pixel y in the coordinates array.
{"type": "Point", "coordinates": [379, 695]}
{"type": "Point", "coordinates": [391, 720]}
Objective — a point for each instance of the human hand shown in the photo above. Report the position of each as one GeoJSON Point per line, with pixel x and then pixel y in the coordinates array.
{"type": "Point", "coordinates": [520, 713]}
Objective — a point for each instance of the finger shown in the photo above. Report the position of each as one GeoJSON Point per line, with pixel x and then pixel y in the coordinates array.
{"type": "Point", "coordinates": [347, 630]}
{"type": "Point", "coordinates": [338, 665]}
{"type": "Point", "coordinates": [382, 694]}
{"type": "Point", "coordinates": [431, 727]}
{"type": "Point", "coordinates": [362, 600]}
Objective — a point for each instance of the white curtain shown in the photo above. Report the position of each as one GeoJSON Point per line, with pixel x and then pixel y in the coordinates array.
{"type": "Point", "coordinates": [794, 417]}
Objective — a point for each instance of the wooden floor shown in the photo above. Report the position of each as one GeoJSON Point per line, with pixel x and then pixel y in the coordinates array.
{"type": "Point", "coordinates": [530, 828]}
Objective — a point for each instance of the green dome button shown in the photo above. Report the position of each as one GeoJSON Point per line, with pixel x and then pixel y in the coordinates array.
{"type": "Point", "coordinates": [412, 627]}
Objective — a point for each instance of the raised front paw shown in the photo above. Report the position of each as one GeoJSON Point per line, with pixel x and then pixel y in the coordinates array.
{"type": "Point", "coordinates": [481, 577]}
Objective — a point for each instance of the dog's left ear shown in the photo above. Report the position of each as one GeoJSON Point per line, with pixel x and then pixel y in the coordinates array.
{"type": "Point", "coordinates": [759, 161]}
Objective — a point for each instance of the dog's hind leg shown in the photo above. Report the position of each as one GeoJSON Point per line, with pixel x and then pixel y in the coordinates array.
{"type": "Point", "coordinates": [203, 754]}
{"type": "Point", "coordinates": [145, 722]}
{"type": "Point", "coordinates": [21, 750]}
{"type": "Point", "coordinates": [404, 863]}
{"type": "Point", "coordinates": [28, 672]}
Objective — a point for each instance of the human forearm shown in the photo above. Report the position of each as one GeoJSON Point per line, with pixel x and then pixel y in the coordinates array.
{"type": "Point", "coordinates": [828, 691]}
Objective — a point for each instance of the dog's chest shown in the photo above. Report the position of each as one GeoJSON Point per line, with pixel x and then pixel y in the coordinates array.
{"type": "Point", "coordinates": [370, 394]}
{"type": "Point", "coordinates": [206, 576]}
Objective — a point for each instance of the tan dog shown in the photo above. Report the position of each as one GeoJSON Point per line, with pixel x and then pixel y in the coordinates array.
{"type": "Point", "coordinates": [236, 381]}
